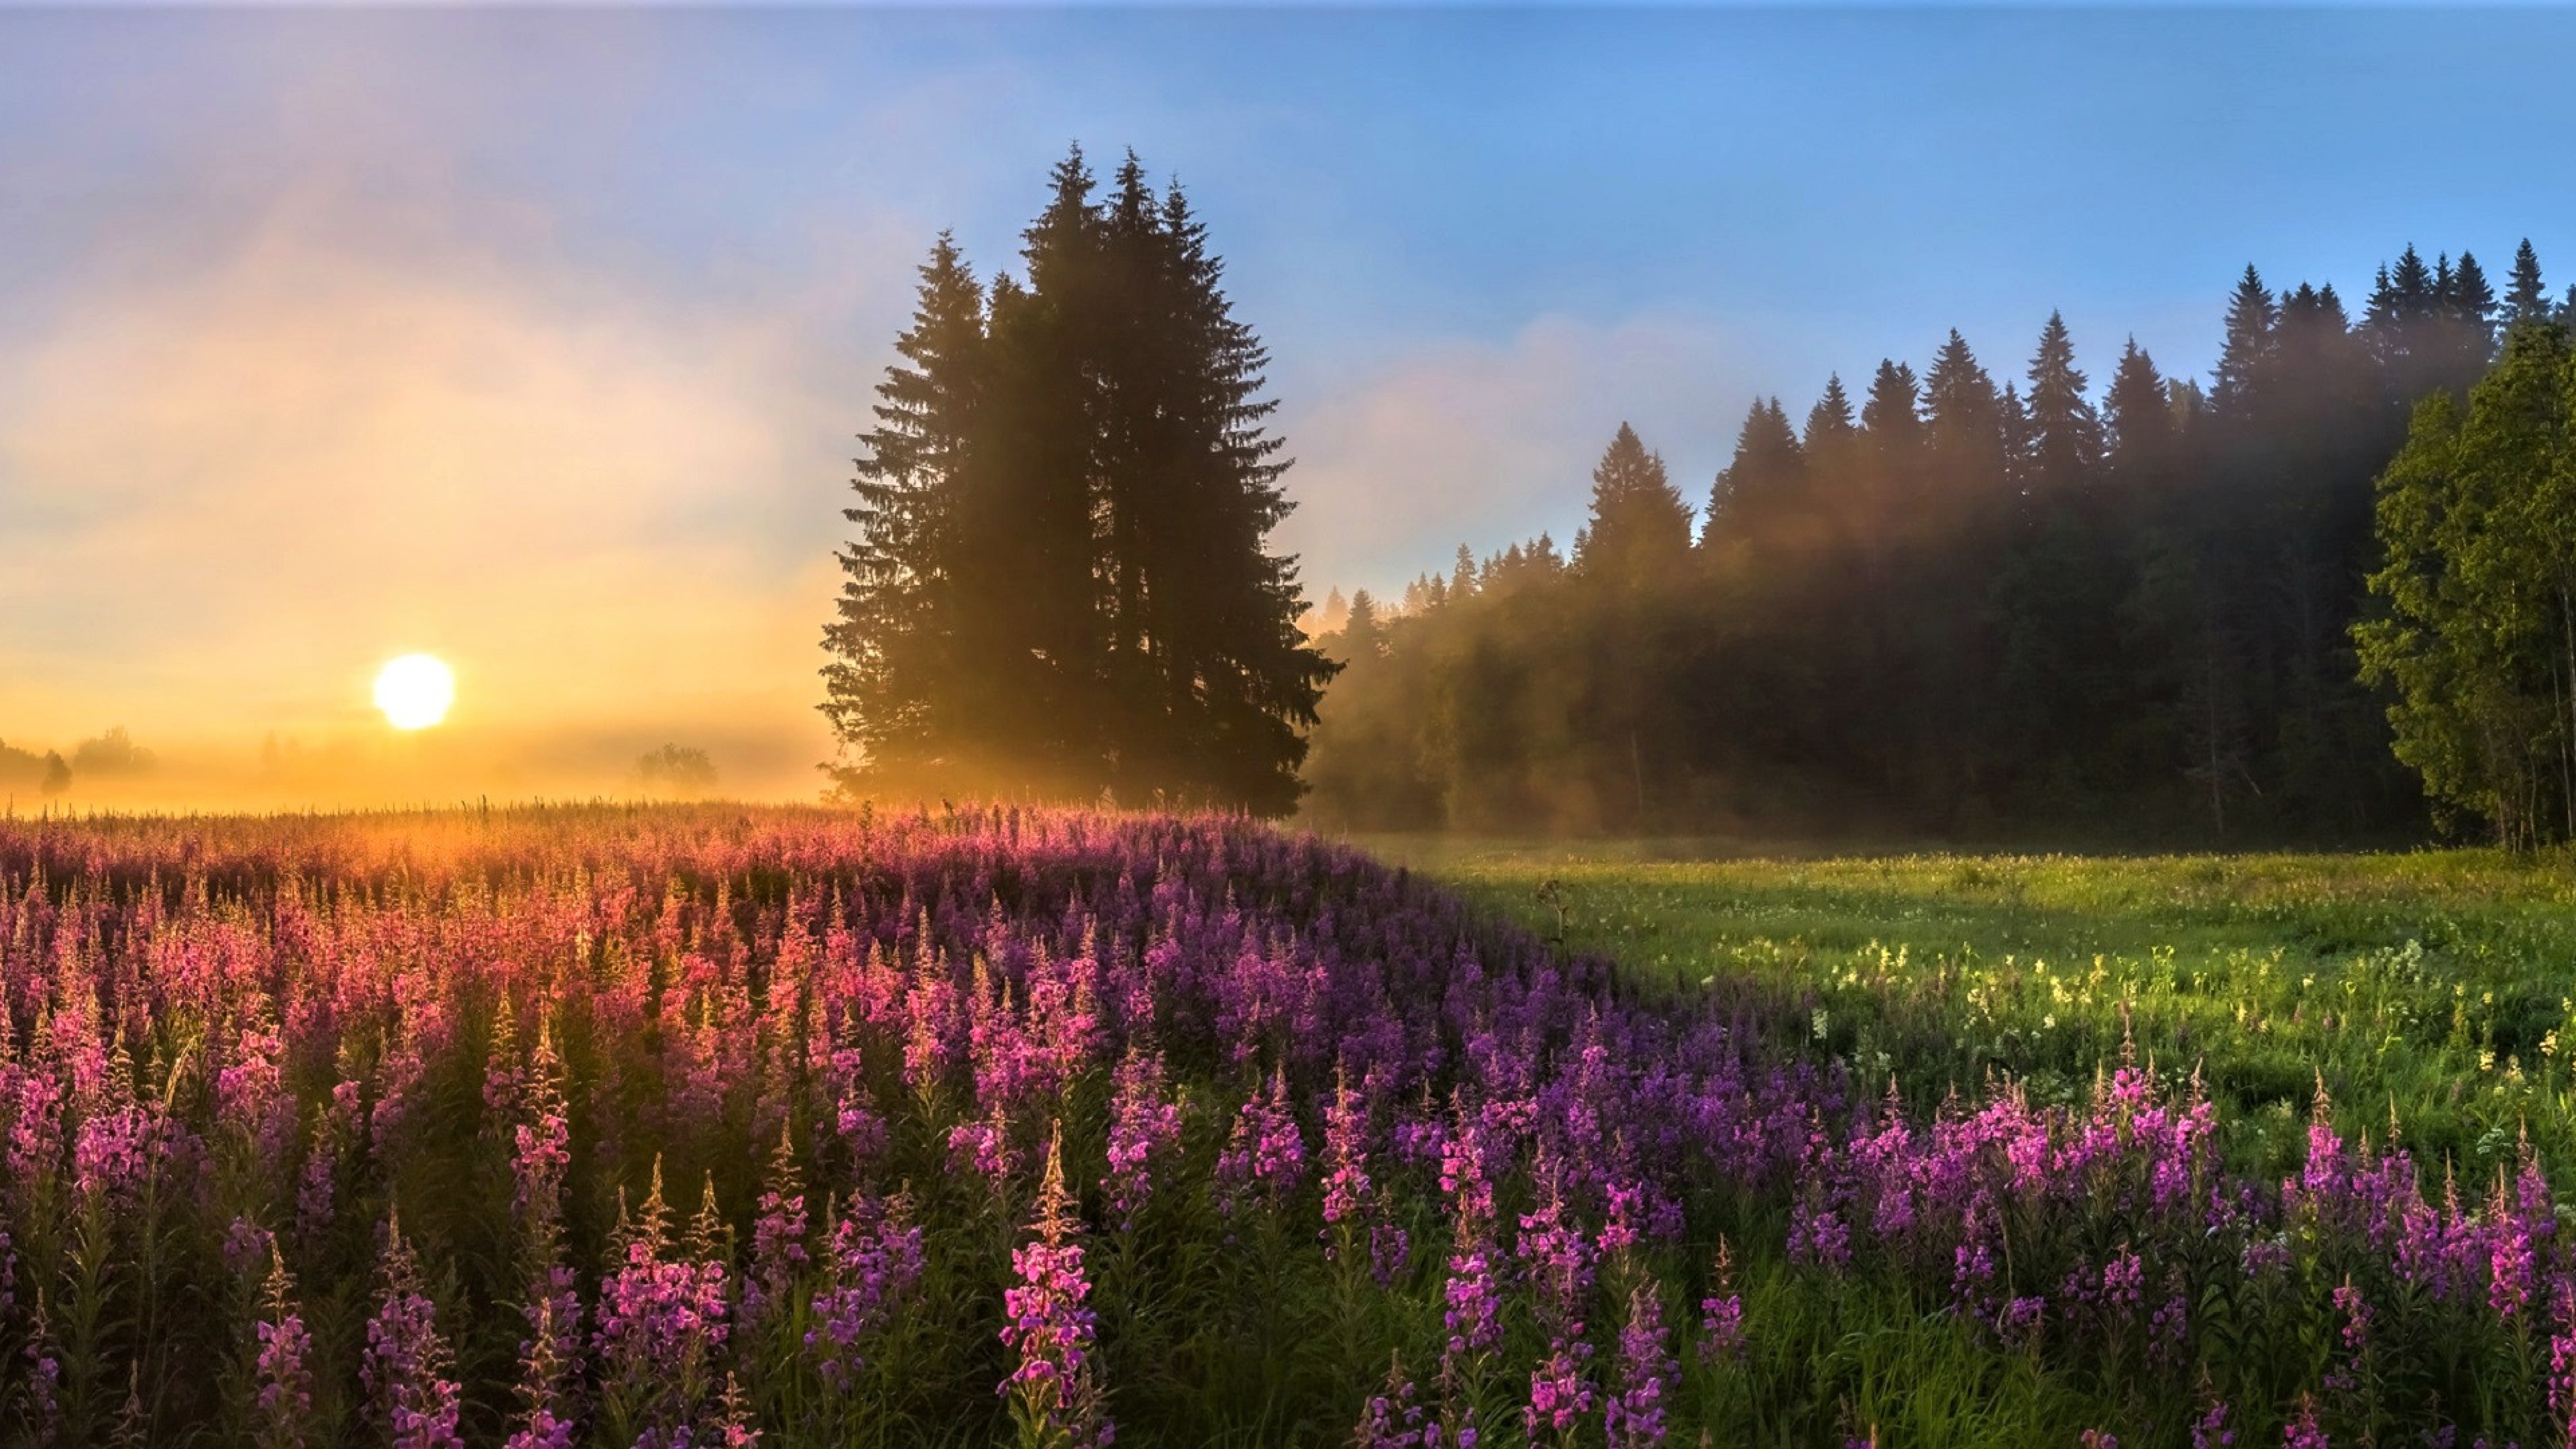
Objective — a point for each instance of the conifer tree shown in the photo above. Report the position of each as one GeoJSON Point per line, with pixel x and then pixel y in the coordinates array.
{"type": "Point", "coordinates": [2400, 322]}
{"type": "Point", "coordinates": [2245, 354]}
{"type": "Point", "coordinates": [2525, 299]}
{"type": "Point", "coordinates": [892, 642]}
{"type": "Point", "coordinates": [1108, 614]}
{"type": "Point", "coordinates": [1757, 494]}
{"type": "Point", "coordinates": [2138, 422]}
{"type": "Point", "coordinates": [1892, 417]}
{"type": "Point", "coordinates": [1639, 531]}
{"type": "Point", "coordinates": [1964, 425]}
{"type": "Point", "coordinates": [2470, 323]}
{"type": "Point", "coordinates": [2065, 431]}
{"type": "Point", "coordinates": [1829, 422]}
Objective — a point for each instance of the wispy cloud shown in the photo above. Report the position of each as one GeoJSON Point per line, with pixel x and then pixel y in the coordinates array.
{"type": "Point", "coordinates": [1486, 443]}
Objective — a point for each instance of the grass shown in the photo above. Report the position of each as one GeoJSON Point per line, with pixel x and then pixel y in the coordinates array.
{"type": "Point", "coordinates": [2434, 987]}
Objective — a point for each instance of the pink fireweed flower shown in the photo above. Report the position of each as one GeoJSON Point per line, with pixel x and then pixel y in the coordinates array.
{"type": "Point", "coordinates": [2123, 1282]}
{"type": "Point", "coordinates": [1560, 1397]}
{"type": "Point", "coordinates": [248, 1247]}
{"type": "Point", "coordinates": [1556, 1256]}
{"type": "Point", "coordinates": [43, 1384]}
{"type": "Point", "coordinates": [1346, 1165]}
{"type": "Point", "coordinates": [1390, 1251]}
{"type": "Point", "coordinates": [2512, 1262]}
{"type": "Point", "coordinates": [504, 1079]}
{"type": "Point", "coordinates": [35, 1126]}
{"type": "Point", "coordinates": [2562, 1357]}
{"type": "Point", "coordinates": [282, 1406]}
{"type": "Point", "coordinates": [1265, 1155]}
{"type": "Point", "coordinates": [251, 1101]}
{"type": "Point", "coordinates": [1634, 1413]}
{"type": "Point", "coordinates": [1144, 1129]}
{"type": "Point", "coordinates": [735, 1429]}
{"type": "Point", "coordinates": [2356, 1317]}
{"type": "Point", "coordinates": [2303, 1432]}
{"type": "Point", "coordinates": [549, 1366]}
{"type": "Point", "coordinates": [1819, 1237]}
{"type": "Point", "coordinates": [1391, 1419]}
{"type": "Point", "coordinates": [1462, 1176]}
{"type": "Point", "coordinates": [542, 1145]}
{"type": "Point", "coordinates": [2020, 1317]}
{"type": "Point", "coordinates": [334, 1131]}
{"type": "Point", "coordinates": [662, 1323]}
{"type": "Point", "coordinates": [778, 1255]}
{"type": "Point", "coordinates": [1721, 1313]}
{"type": "Point", "coordinates": [1473, 1311]}
{"type": "Point", "coordinates": [406, 1360]}
{"type": "Point", "coordinates": [114, 1151]}
{"type": "Point", "coordinates": [874, 1259]}
{"type": "Point", "coordinates": [984, 1148]}
{"type": "Point", "coordinates": [1054, 1397]}
{"type": "Point", "coordinates": [2167, 1330]}
{"type": "Point", "coordinates": [2210, 1430]}
{"type": "Point", "coordinates": [1621, 1220]}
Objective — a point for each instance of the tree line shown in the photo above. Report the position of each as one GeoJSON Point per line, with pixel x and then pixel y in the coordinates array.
{"type": "Point", "coordinates": [1965, 607]}
{"type": "Point", "coordinates": [1060, 583]}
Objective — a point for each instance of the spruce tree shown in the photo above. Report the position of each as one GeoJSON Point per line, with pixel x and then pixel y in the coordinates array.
{"type": "Point", "coordinates": [2138, 421]}
{"type": "Point", "coordinates": [893, 668]}
{"type": "Point", "coordinates": [2525, 299]}
{"type": "Point", "coordinates": [1966, 449]}
{"type": "Point", "coordinates": [1107, 613]}
{"type": "Point", "coordinates": [2469, 328]}
{"type": "Point", "coordinates": [2020, 446]}
{"type": "Point", "coordinates": [1757, 494]}
{"type": "Point", "coordinates": [2245, 354]}
{"type": "Point", "coordinates": [1829, 422]}
{"type": "Point", "coordinates": [2400, 325]}
{"type": "Point", "coordinates": [1639, 531]}
{"type": "Point", "coordinates": [2065, 431]}
{"type": "Point", "coordinates": [1892, 418]}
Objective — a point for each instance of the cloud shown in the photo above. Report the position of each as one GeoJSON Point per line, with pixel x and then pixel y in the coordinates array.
{"type": "Point", "coordinates": [234, 488]}
{"type": "Point", "coordinates": [1488, 442]}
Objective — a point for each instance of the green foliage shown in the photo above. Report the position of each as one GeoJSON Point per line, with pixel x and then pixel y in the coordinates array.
{"type": "Point", "coordinates": [2477, 521]}
{"type": "Point", "coordinates": [2427, 985]}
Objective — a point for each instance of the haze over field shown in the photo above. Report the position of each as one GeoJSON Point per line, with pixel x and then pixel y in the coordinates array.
{"type": "Point", "coordinates": [537, 341]}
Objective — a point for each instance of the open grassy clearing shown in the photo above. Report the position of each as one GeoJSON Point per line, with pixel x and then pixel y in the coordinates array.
{"type": "Point", "coordinates": [2434, 984]}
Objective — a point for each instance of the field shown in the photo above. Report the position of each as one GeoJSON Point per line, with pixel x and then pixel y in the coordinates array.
{"type": "Point", "coordinates": [705, 1125]}
{"type": "Point", "coordinates": [2434, 985]}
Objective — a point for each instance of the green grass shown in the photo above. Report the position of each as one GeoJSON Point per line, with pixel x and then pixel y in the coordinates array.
{"type": "Point", "coordinates": [2435, 986]}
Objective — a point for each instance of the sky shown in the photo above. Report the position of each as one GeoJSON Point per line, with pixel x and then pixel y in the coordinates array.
{"type": "Point", "coordinates": [537, 340]}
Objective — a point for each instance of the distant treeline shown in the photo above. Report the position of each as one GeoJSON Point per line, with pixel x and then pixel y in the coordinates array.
{"type": "Point", "coordinates": [1954, 607]}
{"type": "Point", "coordinates": [113, 755]}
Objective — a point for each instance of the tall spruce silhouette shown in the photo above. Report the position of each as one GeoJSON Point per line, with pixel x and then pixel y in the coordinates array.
{"type": "Point", "coordinates": [1062, 582]}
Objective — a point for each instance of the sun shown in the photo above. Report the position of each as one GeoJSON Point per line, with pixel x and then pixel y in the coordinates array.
{"type": "Point", "coordinates": [415, 691]}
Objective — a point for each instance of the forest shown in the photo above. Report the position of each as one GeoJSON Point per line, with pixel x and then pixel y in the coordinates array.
{"type": "Point", "coordinates": [1957, 607]}
{"type": "Point", "coordinates": [2327, 599]}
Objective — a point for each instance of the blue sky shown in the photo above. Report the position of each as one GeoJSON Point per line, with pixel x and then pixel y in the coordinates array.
{"type": "Point", "coordinates": [625, 277]}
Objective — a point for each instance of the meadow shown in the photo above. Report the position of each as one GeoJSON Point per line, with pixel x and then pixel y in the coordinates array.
{"type": "Point", "coordinates": [2430, 988]}
{"type": "Point", "coordinates": [708, 1125]}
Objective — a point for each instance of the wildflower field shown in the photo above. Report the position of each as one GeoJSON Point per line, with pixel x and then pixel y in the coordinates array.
{"type": "Point", "coordinates": [705, 1125]}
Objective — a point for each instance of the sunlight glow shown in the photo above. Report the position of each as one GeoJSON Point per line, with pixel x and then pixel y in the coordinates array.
{"type": "Point", "coordinates": [415, 691]}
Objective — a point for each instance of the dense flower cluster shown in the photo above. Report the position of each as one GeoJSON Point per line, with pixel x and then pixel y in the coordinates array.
{"type": "Point", "coordinates": [1072, 1108]}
